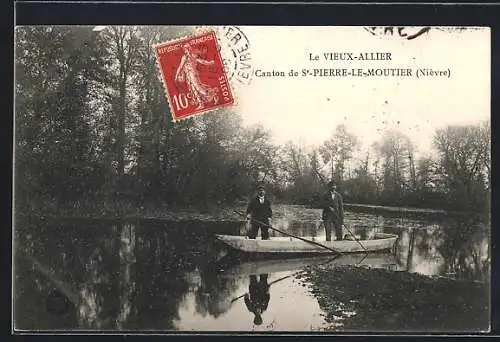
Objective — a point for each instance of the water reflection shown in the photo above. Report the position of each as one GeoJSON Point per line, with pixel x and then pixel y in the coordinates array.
{"type": "Point", "coordinates": [257, 297]}
{"type": "Point", "coordinates": [465, 249]}
{"type": "Point", "coordinates": [453, 248]}
{"type": "Point", "coordinates": [213, 295]}
{"type": "Point", "coordinates": [127, 284]}
{"type": "Point", "coordinates": [97, 290]}
{"type": "Point", "coordinates": [163, 276]}
{"type": "Point", "coordinates": [448, 246]}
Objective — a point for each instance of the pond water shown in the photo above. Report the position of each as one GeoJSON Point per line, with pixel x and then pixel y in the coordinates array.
{"type": "Point", "coordinates": [157, 275]}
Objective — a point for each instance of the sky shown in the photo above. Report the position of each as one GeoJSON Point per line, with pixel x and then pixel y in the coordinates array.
{"type": "Point", "coordinates": [307, 110]}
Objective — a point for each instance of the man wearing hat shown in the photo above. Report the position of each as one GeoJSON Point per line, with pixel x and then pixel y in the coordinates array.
{"type": "Point", "coordinates": [259, 209]}
{"type": "Point", "coordinates": [333, 212]}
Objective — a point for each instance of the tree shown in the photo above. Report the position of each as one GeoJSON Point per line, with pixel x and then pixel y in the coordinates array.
{"type": "Point", "coordinates": [463, 162]}
{"type": "Point", "coordinates": [337, 150]}
{"type": "Point", "coordinates": [426, 174]}
{"type": "Point", "coordinates": [300, 170]}
{"type": "Point", "coordinates": [362, 187]}
{"type": "Point", "coordinates": [54, 150]}
{"type": "Point", "coordinates": [257, 154]}
{"type": "Point", "coordinates": [395, 149]}
{"type": "Point", "coordinates": [124, 48]}
{"type": "Point", "coordinates": [154, 126]}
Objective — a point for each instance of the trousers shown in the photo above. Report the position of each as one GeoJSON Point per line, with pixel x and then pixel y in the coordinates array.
{"type": "Point", "coordinates": [254, 230]}
{"type": "Point", "coordinates": [332, 225]}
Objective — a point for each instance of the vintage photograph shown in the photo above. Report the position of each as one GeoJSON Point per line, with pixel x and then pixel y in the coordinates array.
{"type": "Point", "coordinates": [252, 179]}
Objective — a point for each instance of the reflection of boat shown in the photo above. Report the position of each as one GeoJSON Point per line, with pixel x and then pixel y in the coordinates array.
{"type": "Point", "coordinates": [289, 245]}
{"type": "Point", "coordinates": [297, 264]}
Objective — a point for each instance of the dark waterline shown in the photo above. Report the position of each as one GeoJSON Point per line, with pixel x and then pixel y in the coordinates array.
{"type": "Point", "coordinates": [150, 275]}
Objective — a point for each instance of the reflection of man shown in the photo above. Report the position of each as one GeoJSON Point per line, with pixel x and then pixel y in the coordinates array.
{"type": "Point", "coordinates": [257, 297]}
{"type": "Point", "coordinates": [259, 209]}
{"type": "Point", "coordinates": [333, 212]}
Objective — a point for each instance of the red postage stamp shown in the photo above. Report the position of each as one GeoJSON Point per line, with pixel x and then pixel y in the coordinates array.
{"type": "Point", "coordinates": [193, 75]}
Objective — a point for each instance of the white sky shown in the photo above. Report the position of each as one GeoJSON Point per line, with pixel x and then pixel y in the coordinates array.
{"type": "Point", "coordinates": [307, 109]}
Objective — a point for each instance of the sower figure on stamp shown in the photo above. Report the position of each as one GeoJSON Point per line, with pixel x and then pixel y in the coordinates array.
{"type": "Point", "coordinates": [259, 209]}
{"type": "Point", "coordinates": [187, 72]}
{"type": "Point", "coordinates": [333, 212]}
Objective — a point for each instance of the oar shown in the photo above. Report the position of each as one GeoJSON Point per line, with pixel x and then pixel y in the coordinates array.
{"type": "Point", "coordinates": [288, 276]}
{"type": "Point", "coordinates": [291, 235]}
{"type": "Point", "coordinates": [271, 283]}
{"type": "Point", "coordinates": [354, 236]}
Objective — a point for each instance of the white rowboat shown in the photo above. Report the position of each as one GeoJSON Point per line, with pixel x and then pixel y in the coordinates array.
{"type": "Point", "coordinates": [290, 245]}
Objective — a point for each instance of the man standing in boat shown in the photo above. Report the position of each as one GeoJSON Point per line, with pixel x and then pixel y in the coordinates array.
{"type": "Point", "coordinates": [259, 209]}
{"type": "Point", "coordinates": [333, 212]}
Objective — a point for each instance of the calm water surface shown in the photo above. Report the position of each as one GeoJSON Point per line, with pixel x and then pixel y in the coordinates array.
{"type": "Point", "coordinates": [150, 275]}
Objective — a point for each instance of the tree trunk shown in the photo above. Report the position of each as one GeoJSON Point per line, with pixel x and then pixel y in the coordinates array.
{"type": "Point", "coordinates": [121, 125]}
{"type": "Point", "coordinates": [333, 173]}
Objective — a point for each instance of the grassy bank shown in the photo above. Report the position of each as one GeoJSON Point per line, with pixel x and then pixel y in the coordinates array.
{"type": "Point", "coordinates": [400, 211]}
{"type": "Point", "coordinates": [124, 209]}
{"type": "Point", "coordinates": [362, 299]}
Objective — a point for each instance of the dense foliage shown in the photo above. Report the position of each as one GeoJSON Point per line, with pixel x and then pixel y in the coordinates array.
{"type": "Point", "coordinates": [93, 128]}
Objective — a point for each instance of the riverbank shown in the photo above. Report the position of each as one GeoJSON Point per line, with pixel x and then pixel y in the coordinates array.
{"type": "Point", "coordinates": [124, 210]}
{"type": "Point", "coordinates": [400, 211]}
{"type": "Point", "coordinates": [363, 299]}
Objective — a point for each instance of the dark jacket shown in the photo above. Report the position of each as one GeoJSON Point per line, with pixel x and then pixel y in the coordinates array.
{"type": "Point", "coordinates": [258, 296]}
{"type": "Point", "coordinates": [337, 204]}
{"type": "Point", "coordinates": [260, 212]}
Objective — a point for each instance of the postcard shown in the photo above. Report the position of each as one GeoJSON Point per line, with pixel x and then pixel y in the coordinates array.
{"type": "Point", "coordinates": [252, 179]}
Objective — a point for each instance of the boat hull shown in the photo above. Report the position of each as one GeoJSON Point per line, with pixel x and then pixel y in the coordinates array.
{"type": "Point", "coordinates": [292, 246]}
{"type": "Point", "coordinates": [266, 266]}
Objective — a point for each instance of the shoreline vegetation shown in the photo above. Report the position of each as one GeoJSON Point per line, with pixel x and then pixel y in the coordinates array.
{"type": "Point", "coordinates": [224, 213]}
{"type": "Point", "coordinates": [382, 300]}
